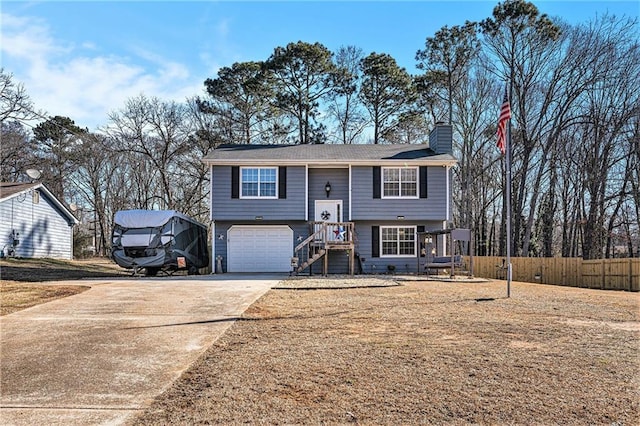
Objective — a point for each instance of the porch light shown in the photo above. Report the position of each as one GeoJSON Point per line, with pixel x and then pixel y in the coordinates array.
{"type": "Point", "coordinates": [327, 188]}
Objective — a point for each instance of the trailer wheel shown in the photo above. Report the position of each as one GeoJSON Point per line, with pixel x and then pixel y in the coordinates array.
{"type": "Point", "coordinates": [152, 272]}
{"type": "Point", "coordinates": [192, 270]}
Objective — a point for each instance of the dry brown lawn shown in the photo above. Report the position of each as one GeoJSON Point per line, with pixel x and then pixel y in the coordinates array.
{"type": "Point", "coordinates": [15, 296]}
{"type": "Point", "coordinates": [21, 280]}
{"type": "Point", "coordinates": [424, 352]}
{"type": "Point", "coordinates": [40, 270]}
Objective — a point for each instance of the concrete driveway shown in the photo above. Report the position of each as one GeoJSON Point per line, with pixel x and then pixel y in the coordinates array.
{"type": "Point", "coordinates": [98, 357]}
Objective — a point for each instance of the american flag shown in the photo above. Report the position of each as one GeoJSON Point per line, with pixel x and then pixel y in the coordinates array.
{"type": "Point", "coordinates": [505, 115]}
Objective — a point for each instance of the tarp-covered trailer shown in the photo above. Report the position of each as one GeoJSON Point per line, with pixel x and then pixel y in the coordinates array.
{"type": "Point", "coordinates": [158, 240]}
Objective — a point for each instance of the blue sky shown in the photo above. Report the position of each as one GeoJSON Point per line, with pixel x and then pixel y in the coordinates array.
{"type": "Point", "coordinates": [83, 59]}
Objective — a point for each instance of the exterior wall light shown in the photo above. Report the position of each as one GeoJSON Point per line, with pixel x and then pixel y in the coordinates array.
{"type": "Point", "coordinates": [327, 188]}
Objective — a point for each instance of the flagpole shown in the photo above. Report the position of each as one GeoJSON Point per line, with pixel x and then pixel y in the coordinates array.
{"type": "Point", "coordinates": [504, 143]}
{"type": "Point", "coordinates": [507, 161]}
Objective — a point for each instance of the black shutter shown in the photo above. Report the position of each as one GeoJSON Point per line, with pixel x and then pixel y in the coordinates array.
{"type": "Point", "coordinates": [282, 182]}
{"type": "Point", "coordinates": [235, 182]}
{"type": "Point", "coordinates": [376, 182]}
{"type": "Point", "coordinates": [421, 247]}
{"type": "Point", "coordinates": [375, 241]}
{"type": "Point", "coordinates": [423, 181]}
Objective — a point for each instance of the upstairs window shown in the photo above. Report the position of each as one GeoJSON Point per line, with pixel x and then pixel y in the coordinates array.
{"type": "Point", "coordinates": [400, 182]}
{"type": "Point", "coordinates": [259, 182]}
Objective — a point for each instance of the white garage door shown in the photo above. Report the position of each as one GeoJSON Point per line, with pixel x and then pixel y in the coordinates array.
{"type": "Point", "coordinates": [259, 248]}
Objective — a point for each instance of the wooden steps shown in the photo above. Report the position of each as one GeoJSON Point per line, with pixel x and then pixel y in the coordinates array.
{"type": "Point", "coordinates": [311, 260]}
{"type": "Point", "coordinates": [324, 236]}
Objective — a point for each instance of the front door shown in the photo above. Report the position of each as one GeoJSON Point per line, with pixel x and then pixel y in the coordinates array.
{"type": "Point", "coordinates": [329, 211]}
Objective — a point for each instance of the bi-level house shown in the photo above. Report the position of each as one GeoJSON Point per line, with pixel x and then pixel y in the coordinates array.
{"type": "Point", "coordinates": [328, 208]}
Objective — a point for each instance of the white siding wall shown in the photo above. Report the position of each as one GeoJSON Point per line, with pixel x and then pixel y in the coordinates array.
{"type": "Point", "coordinates": [44, 230]}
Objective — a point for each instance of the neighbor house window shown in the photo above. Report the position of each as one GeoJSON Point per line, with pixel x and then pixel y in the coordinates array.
{"type": "Point", "coordinates": [259, 182]}
{"type": "Point", "coordinates": [398, 241]}
{"type": "Point", "coordinates": [400, 182]}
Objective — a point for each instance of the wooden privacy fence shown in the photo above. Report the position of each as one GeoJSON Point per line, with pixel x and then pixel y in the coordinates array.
{"type": "Point", "coordinates": [606, 274]}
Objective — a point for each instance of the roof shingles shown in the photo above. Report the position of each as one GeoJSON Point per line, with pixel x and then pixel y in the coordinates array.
{"type": "Point", "coordinates": [323, 153]}
{"type": "Point", "coordinates": [7, 189]}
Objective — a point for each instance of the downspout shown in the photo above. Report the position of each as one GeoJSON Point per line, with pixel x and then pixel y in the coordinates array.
{"type": "Point", "coordinates": [73, 226]}
{"type": "Point", "coordinates": [212, 264]}
{"type": "Point", "coordinates": [306, 192]}
{"type": "Point", "coordinates": [350, 205]}
{"type": "Point", "coordinates": [213, 247]}
{"type": "Point", "coordinates": [448, 189]}
{"type": "Point", "coordinates": [445, 246]}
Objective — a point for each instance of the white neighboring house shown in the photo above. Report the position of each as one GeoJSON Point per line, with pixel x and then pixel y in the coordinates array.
{"type": "Point", "coordinates": [34, 223]}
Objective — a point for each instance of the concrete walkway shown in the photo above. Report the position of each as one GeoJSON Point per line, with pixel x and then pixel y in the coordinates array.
{"type": "Point", "coordinates": [98, 357]}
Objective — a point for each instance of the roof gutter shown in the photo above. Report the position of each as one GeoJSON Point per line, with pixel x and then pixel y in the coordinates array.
{"type": "Point", "coordinates": [330, 163]}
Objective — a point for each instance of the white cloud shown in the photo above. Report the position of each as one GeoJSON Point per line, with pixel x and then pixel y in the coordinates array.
{"type": "Point", "coordinates": [89, 45]}
{"type": "Point", "coordinates": [26, 38]}
{"type": "Point", "coordinates": [64, 80]}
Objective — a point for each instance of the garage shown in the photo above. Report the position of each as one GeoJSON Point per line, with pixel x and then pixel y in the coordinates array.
{"type": "Point", "coordinates": [259, 248]}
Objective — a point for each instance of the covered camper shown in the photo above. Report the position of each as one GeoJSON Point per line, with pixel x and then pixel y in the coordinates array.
{"type": "Point", "coordinates": [158, 240]}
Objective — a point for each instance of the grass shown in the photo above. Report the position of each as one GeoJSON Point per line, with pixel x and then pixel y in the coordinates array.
{"type": "Point", "coordinates": [39, 270]}
{"type": "Point", "coordinates": [16, 296]}
{"type": "Point", "coordinates": [22, 279]}
{"type": "Point", "coordinates": [419, 353]}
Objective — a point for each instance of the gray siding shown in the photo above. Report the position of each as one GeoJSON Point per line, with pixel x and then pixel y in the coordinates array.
{"type": "Point", "coordinates": [366, 211]}
{"type": "Point", "coordinates": [223, 207]}
{"type": "Point", "coordinates": [44, 230]}
{"type": "Point", "coordinates": [338, 260]}
{"type": "Point", "coordinates": [300, 229]}
{"type": "Point", "coordinates": [338, 264]}
{"type": "Point", "coordinates": [339, 180]}
{"type": "Point", "coordinates": [441, 139]}
{"type": "Point", "coordinates": [378, 265]}
{"type": "Point", "coordinates": [365, 207]}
